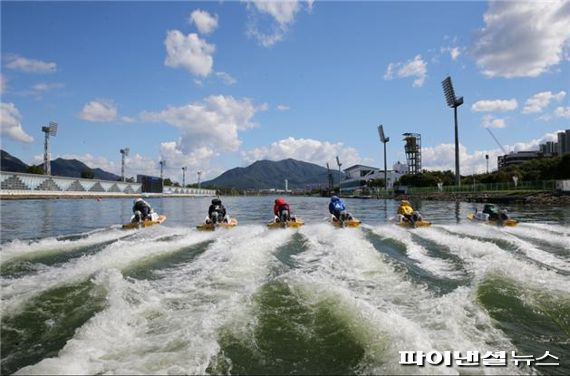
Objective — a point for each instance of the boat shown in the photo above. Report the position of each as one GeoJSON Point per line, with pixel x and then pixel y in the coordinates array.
{"type": "Point", "coordinates": [213, 226]}
{"type": "Point", "coordinates": [510, 222]}
{"type": "Point", "coordinates": [292, 223]}
{"type": "Point", "coordinates": [352, 222]}
{"type": "Point", "coordinates": [402, 221]}
{"type": "Point", "coordinates": [158, 219]}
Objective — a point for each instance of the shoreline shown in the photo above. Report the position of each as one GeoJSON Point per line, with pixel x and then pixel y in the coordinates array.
{"type": "Point", "coordinates": [88, 195]}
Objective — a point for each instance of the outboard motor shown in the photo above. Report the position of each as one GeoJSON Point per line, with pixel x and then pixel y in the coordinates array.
{"type": "Point", "coordinates": [284, 215]}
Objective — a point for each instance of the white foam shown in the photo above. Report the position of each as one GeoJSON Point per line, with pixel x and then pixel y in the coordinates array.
{"type": "Point", "coordinates": [437, 266]}
{"type": "Point", "coordinates": [171, 325]}
{"type": "Point", "coordinates": [542, 235]}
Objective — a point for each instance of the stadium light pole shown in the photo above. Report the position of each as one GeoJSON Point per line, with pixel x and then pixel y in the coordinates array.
{"type": "Point", "coordinates": [162, 164]}
{"type": "Point", "coordinates": [454, 102]}
{"type": "Point", "coordinates": [487, 158]}
{"type": "Point", "coordinates": [199, 173]}
{"type": "Point", "coordinates": [124, 154]}
{"type": "Point", "coordinates": [183, 177]}
{"type": "Point", "coordinates": [339, 175]}
{"type": "Point", "coordinates": [50, 130]}
{"type": "Point", "coordinates": [384, 140]}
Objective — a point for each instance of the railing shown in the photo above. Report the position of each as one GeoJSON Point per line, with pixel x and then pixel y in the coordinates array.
{"type": "Point", "coordinates": [27, 183]}
{"type": "Point", "coordinates": [540, 185]}
{"type": "Point", "coordinates": [189, 191]}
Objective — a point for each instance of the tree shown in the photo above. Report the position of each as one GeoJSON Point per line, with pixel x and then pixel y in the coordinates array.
{"type": "Point", "coordinates": [38, 170]}
{"type": "Point", "coordinates": [87, 174]}
{"type": "Point", "coordinates": [167, 182]}
{"type": "Point", "coordinates": [379, 183]}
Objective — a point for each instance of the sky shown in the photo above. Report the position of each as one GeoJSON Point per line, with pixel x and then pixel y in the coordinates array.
{"type": "Point", "coordinates": [216, 85]}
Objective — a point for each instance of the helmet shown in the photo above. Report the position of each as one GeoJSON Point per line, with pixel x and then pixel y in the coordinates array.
{"type": "Point", "coordinates": [216, 201]}
{"type": "Point", "coordinates": [405, 203]}
{"type": "Point", "coordinates": [137, 200]}
{"type": "Point", "coordinates": [334, 198]}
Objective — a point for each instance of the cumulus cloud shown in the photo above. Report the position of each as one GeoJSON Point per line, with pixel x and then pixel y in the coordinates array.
{"type": "Point", "coordinates": [282, 14]}
{"type": "Point", "coordinates": [11, 123]}
{"type": "Point", "coordinates": [189, 52]}
{"type": "Point", "coordinates": [204, 21]}
{"type": "Point", "coordinates": [442, 157]}
{"type": "Point", "coordinates": [214, 122]}
{"type": "Point", "coordinates": [412, 68]}
{"type": "Point", "coordinates": [305, 149]}
{"type": "Point", "coordinates": [226, 78]}
{"type": "Point", "coordinates": [282, 107]}
{"type": "Point", "coordinates": [562, 112]}
{"type": "Point", "coordinates": [489, 121]}
{"type": "Point", "coordinates": [494, 105]}
{"type": "Point", "coordinates": [3, 84]}
{"type": "Point", "coordinates": [454, 52]}
{"type": "Point", "coordinates": [522, 38]}
{"type": "Point", "coordinates": [26, 65]}
{"type": "Point", "coordinates": [539, 101]}
{"type": "Point", "coordinates": [99, 111]}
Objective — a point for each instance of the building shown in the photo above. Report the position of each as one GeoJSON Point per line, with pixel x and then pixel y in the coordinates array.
{"type": "Point", "coordinates": [519, 157]}
{"type": "Point", "coordinates": [549, 149]}
{"type": "Point", "coordinates": [150, 184]}
{"type": "Point", "coordinates": [357, 176]}
{"type": "Point", "coordinates": [564, 142]}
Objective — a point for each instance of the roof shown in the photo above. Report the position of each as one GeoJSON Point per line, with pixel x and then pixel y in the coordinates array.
{"type": "Point", "coordinates": [361, 167]}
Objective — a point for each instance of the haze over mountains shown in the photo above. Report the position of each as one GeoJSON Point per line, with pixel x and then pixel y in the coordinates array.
{"type": "Point", "coordinates": [259, 175]}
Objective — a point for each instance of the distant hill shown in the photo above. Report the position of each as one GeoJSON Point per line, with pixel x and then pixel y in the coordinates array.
{"type": "Point", "coordinates": [271, 174]}
{"type": "Point", "coordinates": [11, 163]}
{"type": "Point", "coordinates": [59, 167]}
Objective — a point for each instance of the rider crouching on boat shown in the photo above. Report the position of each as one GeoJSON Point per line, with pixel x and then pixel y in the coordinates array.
{"type": "Point", "coordinates": [495, 214]}
{"type": "Point", "coordinates": [142, 211]}
{"type": "Point", "coordinates": [282, 211]}
{"type": "Point", "coordinates": [406, 211]}
{"type": "Point", "coordinates": [217, 213]}
{"type": "Point", "coordinates": [338, 209]}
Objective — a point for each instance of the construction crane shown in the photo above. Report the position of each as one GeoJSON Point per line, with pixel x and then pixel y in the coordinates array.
{"type": "Point", "coordinates": [497, 141]}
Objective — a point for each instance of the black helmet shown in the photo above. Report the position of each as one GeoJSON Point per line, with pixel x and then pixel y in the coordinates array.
{"type": "Point", "coordinates": [216, 201]}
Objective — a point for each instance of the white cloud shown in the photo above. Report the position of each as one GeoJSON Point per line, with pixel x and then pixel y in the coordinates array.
{"type": "Point", "coordinates": [489, 121]}
{"type": "Point", "coordinates": [522, 38]}
{"type": "Point", "coordinates": [226, 78]}
{"type": "Point", "coordinates": [99, 111]}
{"type": "Point", "coordinates": [43, 87]}
{"type": "Point", "coordinates": [454, 52]}
{"type": "Point", "coordinates": [204, 21]}
{"type": "Point", "coordinates": [11, 123]}
{"type": "Point", "coordinates": [26, 65]}
{"type": "Point", "coordinates": [539, 101]}
{"type": "Point", "coordinates": [3, 84]}
{"type": "Point", "coordinates": [442, 157]}
{"type": "Point", "coordinates": [494, 105]}
{"type": "Point", "coordinates": [282, 13]}
{"type": "Point", "coordinates": [305, 149]}
{"type": "Point", "coordinates": [282, 107]}
{"type": "Point", "coordinates": [189, 52]}
{"type": "Point", "coordinates": [562, 112]}
{"type": "Point", "coordinates": [213, 122]}
{"type": "Point", "coordinates": [415, 68]}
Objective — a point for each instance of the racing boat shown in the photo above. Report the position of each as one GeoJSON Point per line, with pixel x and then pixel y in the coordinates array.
{"type": "Point", "coordinates": [213, 226]}
{"type": "Point", "coordinates": [351, 222]}
{"type": "Point", "coordinates": [404, 222]}
{"type": "Point", "coordinates": [154, 220]}
{"type": "Point", "coordinates": [484, 218]}
{"type": "Point", "coordinates": [292, 223]}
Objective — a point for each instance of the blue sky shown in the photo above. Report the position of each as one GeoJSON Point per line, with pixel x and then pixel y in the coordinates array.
{"type": "Point", "coordinates": [215, 85]}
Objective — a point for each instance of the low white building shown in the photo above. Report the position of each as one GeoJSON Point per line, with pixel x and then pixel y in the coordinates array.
{"type": "Point", "coordinates": [357, 176]}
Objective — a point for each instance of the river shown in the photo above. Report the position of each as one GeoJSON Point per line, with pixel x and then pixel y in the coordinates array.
{"type": "Point", "coordinates": [82, 296]}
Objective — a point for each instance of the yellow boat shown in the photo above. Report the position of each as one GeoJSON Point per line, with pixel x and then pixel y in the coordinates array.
{"type": "Point", "coordinates": [145, 223]}
{"type": "Point", "coordinates": [211, 226]}
{"type": "Point", "coordinates": [507, 222]}
{"type": "Point", "coordinates": [408, 224]}
{"type": "Point", "coordinates": [296, 223]}
{"type": "Point", "coordinates": [349, 223]}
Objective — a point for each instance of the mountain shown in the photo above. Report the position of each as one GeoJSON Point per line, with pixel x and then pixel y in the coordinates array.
{"type": "Point", "coordinates": [271, 174]}
{"type": "Point", "coordinates": [59, 167]}
{"type": "Point", "coordinates": [10, 163]}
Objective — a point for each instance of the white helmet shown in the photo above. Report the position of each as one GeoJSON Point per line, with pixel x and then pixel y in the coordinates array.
{"type": "Point", "coordinates": [138, 200]}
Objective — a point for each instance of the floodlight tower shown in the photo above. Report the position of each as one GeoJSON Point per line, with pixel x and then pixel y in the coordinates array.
{"type": "Point", "coordinates": [183, 177]}
{"type": "Point", "coordinates": [50, 130]}
{"type": "Point", "coordinates": [339, 175]}
{"type": "Point", "coordinates": [199, 174]}
{"type": "Point", "coordinates": [124, 154]}
{"type": "Point", "coordinates": [454, 102]}
{"type": "Point", "coordinates": [162, 164]}
{"type": "Point", "coordinates": [331, 183]}
{"type": "Point", "coordinates": [487, 158]}
{"type": "Point", "coordinates": [384, 140]}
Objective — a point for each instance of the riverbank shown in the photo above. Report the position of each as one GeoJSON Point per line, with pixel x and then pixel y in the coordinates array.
{"type": "Point", "coordinates": [86, 195]}
{"type": "Point", "coordinates": [509, 197]}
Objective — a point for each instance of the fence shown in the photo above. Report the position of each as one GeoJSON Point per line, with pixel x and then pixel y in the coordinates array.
{"type": "Point", "coordinates": [540, 185]}
{"type": "Point", "coordinates": [27, 183]}
{"type": "Point", "coordinates": [189, 191]}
